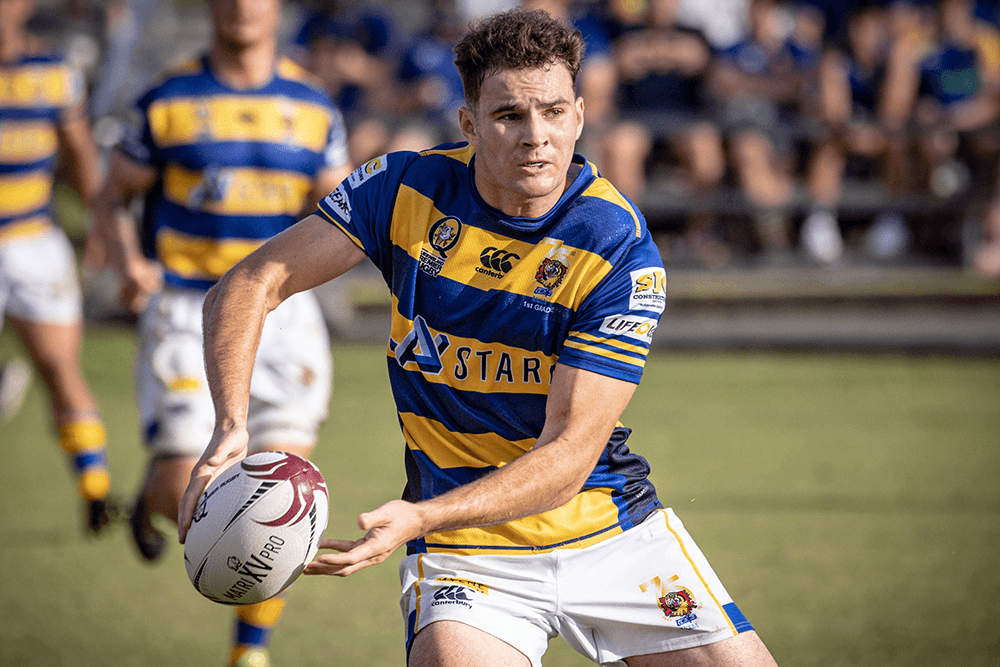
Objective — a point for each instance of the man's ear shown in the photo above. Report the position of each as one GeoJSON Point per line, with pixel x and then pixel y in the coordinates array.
{"type": "Point", "coordinates": [467, 123]}
{"type": "Point", "coordinates": [579, 115]}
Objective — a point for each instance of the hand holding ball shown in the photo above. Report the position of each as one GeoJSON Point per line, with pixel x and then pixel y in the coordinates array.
{"type": "Point", "coordinates": [255, 528]}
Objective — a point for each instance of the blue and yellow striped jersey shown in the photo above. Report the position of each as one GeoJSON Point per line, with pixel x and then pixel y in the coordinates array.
{"type": "Point", "coordinates": [483, 306]}
{"type": "Point", "coordinates": [35, 93]}
{"type": "Point", "coordinates": [236, 166]}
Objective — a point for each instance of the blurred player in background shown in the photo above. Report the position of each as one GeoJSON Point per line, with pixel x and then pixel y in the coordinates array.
{"type": "Point", "coordinates": [42, 111]}
{"type": "Point", "coordinates": [228, 151]}
{"type": "Point", "coordinates": [525, 290]}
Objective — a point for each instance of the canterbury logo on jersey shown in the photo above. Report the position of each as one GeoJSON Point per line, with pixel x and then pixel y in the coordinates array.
{"type": "Point", "coordinates": [496, 262]}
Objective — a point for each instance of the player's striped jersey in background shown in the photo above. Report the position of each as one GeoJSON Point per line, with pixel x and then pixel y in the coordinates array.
{"type": "Point", "coordinates": [484, 305]}
{"type": "Point", "coordinates": [35, 93]}
{"type": "Point", "coordinates": [236, 164]}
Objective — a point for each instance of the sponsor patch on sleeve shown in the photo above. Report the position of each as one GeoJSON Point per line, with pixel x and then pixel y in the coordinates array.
{"type": "Point", "coordinates": [337, 202]}
{"type": "Point", "coordinates": [367, 170]}
{"type": "Point", "coordinates": [639, 328]}
{"type": "Point", "coordinates": [649, 290]}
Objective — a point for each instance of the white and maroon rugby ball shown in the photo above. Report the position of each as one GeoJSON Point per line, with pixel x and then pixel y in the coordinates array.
{"type": "Point", "coordinates": [255, 528]}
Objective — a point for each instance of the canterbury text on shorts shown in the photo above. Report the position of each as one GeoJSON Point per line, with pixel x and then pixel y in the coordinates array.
{"type": "Point", "coordinates": [647, 590]}
{"type": "Point", "coordinates": [289, 391]}
{"type": "Point", "coordinates": [38, 280]}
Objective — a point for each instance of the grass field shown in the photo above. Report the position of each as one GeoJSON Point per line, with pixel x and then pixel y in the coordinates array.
{"type": "Point", "coordinates": [851, 504]}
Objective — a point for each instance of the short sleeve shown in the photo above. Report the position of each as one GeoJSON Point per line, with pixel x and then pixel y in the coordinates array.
{"type": "Point", "coordinates": [362, 204]}
{"type": "Point", "coordinates": [614, 326]}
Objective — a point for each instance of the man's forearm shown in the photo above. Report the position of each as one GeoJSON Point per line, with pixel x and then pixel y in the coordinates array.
{"type": "Point", "coordinates": [233, 317]}
{"type": "Point", "coordinates": [540, 480]}
{"type": "Point", "coordinates": [583, 409]}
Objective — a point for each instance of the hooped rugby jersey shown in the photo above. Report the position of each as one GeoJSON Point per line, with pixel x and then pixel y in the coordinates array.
{"type": "Point", "coordinates": [483, 306]}
{"type": "Point", "coordinates": [35, 93]}
{"type": "Point", "coordinates": [236, 165]}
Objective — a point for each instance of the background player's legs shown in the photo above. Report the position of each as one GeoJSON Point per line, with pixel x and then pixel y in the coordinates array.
{"type": "Point", "coordinates": [454, 644]}
{"type": "Point", "coordinates": [55, 350]}
{"type": "Point", "coordinates": [743, 650]}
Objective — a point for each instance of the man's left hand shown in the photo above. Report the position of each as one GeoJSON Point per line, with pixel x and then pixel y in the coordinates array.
{"type": "Point", "coordinates": [389, 527]}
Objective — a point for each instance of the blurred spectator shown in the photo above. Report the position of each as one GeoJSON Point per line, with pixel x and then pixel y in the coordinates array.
{"type": "Point", "coordinates": [757, 84]}
{"type": "Point", "coordinates": [661, 67]}
{"type": "Point", "coordinates": [430, 87]}
{"type": "Point", "coordinates": [723, 22]}
{"type": "Point", "coordinates": [350, 48]}
{"type": "Point", "coordinates": [851, 95]}
{"type": "Point", "coordinates": [986, 257]}
{"type": "Point", "coordinates": [953, 88]}
{"type": "Point", "coordinates": [958, 104]}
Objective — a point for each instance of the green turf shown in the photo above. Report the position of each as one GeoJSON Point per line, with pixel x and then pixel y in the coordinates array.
{"type": "Point", "coordinates": [851, 504]}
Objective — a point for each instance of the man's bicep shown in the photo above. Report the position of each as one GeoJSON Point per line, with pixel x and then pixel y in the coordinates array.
{"type": "Point", "coordinates": [308, 254]}
{"type": "Point", "coordinates": [584, 405]}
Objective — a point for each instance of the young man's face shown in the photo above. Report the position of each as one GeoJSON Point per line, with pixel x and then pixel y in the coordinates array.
{"type": "Point", "coordinates": [245, 23]}
{"type": "Point", "coordinates": [524, 130]}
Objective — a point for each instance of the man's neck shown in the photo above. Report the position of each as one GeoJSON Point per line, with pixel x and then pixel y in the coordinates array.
{"type": "Point", "coordinates": [249, 67]}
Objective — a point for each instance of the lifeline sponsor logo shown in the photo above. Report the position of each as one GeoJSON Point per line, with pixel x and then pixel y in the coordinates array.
{"type": "Point", "coordinates": [640, 328]}
{"type": "Point", "coordinates": [496, 262]}
{"type": "Point", "coordinates": [338, 202]}
{"type": "Point", "coordinates": [649, 290]}
{"type": "Point", "coordinates": [367, 170]}
{"type": "Point", "coordinates": [452, 595]}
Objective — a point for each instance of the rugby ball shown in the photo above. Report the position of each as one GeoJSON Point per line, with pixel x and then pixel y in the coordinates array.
{"type": "Point", "coordinates": [255, 528]}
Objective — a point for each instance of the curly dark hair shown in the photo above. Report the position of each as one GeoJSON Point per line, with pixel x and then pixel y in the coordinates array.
{"type": "Point", "coordinates": [515, 40]}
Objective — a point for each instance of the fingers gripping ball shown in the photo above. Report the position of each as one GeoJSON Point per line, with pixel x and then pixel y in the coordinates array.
{"type": "Point", "coordinates": [255, 528]}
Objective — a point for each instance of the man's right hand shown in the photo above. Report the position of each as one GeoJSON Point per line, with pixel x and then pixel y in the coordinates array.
{"type": "Point", "coordinates": [225, 449]}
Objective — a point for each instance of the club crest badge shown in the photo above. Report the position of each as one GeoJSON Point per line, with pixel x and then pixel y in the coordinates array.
{"type": "Point", "coordinates": [442, 237]}
{"type": "Point", "coordinates": [677, 604]}
{"type": "Point", "coordinates": [550, 273]}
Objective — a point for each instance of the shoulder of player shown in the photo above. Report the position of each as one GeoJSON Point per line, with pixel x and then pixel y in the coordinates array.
{"type": "Point", "coordinates": [433, 163]}
{"type": "Point", "coordinates": [601, 202]}
{"type": "Point", "coordinates": [176, 80]}
{"type": "Point", "coordinates": [290, 73]}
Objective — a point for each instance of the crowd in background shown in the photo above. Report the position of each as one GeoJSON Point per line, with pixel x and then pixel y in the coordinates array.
{"type": "Point", "coordinates": [754, 120]}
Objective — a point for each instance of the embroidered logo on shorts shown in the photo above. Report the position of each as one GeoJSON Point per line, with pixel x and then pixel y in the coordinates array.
{"type": "Point", "coordinates": [452, 595]}
{"type": "Point", "coordinates": [676, 602]}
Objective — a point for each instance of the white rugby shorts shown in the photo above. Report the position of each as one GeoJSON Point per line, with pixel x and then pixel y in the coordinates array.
{"type": "Point", "coordinates": [289, 391]}
{"type": "Point", "coordinates": [38, 279]}
{"type": "Point", "coordinates": [647, 590]}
